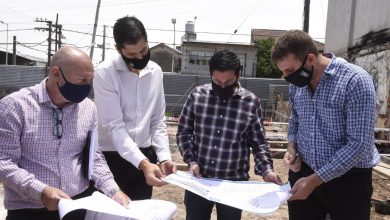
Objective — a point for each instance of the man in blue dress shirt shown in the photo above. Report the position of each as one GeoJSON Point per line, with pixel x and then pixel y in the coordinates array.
{"type": "Point", "coordinates": [331, 148]}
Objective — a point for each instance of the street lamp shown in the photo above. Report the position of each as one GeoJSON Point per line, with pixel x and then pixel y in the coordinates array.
{"type": "Point", "coordinates": [174, 41]}
{"type": "Point", "coordinates": [6, 54]}
{"type": "Point", "coordinates": [174, 32]}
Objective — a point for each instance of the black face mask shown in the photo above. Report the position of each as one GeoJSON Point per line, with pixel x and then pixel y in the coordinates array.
{"type": "Point", "coordinates": [73, 92]}
{"type": "Point", "coordinates": [223, 93]}
{"type": "Point", "coordinates": [138, 64]}
{"type": "Point", "coordinates": [300, 77]}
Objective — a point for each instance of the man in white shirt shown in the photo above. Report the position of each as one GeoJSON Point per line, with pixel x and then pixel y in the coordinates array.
{"type": "Point", "coordinates": [129, 96]}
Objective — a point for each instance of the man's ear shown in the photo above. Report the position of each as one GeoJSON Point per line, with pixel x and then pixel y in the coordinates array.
{"type": "Point", "coordinates": [312, 58]}
{"type": "Point", "coordinates": [54, 72]}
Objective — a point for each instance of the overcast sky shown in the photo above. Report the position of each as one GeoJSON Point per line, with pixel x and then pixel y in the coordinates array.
{"type": "Point", "coordinates": [216, 20]}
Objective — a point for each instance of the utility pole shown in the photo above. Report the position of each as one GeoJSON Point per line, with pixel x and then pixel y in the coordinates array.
{"type": "Point", "coordinates": [174, 42]}
{"type": "Point", "coordinates": [49, 24]}
{"type": "Point", "coordinates": [14, 52]}
{"type": "Point", "coordinates": [306, 16]}
{"type": "Point", "coordinates": [49, 46]}
{"type": "Point", "coordinates": [6, 53]}
{"type": "Point", "coordinates": [104, 43]}
{"type": "Point", "coordinates": [58, 36]}
{"type": "Point", "coordinates": [94, 29]}
{"type": "Point", "coordinates": [56, 31]}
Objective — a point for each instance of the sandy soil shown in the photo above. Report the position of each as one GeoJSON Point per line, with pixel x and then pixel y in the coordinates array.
{"type": "Point", "coordinates": [175, 194]}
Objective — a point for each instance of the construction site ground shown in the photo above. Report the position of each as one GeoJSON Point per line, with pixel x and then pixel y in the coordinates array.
{"type": "Point", "coordinates": [381, 184]}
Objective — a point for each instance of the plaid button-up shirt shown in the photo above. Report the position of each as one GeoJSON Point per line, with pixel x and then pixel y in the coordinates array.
{"type": "Point", "coordinates": [32, 157]}
{"type": "Point", "coordinates": [219, 134]}
{"type": "Point", "coordinates": [334, 127]}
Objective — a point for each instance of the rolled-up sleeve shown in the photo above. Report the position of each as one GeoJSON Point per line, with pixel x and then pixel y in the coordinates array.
{"type": "Point", "coordinates": [293, 120]}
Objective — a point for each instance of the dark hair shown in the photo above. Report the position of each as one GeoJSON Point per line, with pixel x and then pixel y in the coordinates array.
{"type": "Point", "coordinates": [296, 42]}
{"type": "Point", "coordinates": [225, 60]}
{"type": "Point", "coordinates": [128, 30]}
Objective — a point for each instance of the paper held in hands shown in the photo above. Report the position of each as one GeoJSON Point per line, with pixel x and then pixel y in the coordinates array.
{"type": "Point", "coordinates": [101, 207]}
{"type": "Point", "coordinates": [252, 196]}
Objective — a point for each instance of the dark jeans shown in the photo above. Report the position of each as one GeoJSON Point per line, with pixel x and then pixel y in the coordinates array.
{"type": "Point", "coordinates": [343, 198]}
{"type": "Point", "coordinates": [130, 179]}
{"type": "Point", "coordinates": [44, 214]}
{"type": "Point", "coordinates": [199, 208]}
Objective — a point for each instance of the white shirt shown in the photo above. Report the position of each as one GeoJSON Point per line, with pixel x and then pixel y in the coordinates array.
{"type": "Point", "coordinates": [131, 110]}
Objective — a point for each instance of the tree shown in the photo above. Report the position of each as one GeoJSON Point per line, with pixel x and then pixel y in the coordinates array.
{"type": "Point", "coordinates": [265, 68]}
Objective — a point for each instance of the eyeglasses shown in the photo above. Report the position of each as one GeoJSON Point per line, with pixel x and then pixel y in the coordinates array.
{"type": "Point", "coordinates": [57, 131]}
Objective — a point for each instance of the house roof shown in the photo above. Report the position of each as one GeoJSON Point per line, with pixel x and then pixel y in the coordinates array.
{"type": "Point", "coordinates": [258, 34]}
{"type": "Point", "coordinates": [162, 46]}
{"type": "Point", "coordinates": [198, 42]}
{"type": "Point", "coordinates": [23, 55]}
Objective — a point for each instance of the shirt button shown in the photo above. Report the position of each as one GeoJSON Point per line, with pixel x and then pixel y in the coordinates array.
{"type": "Point", "coordinates": [218, 131]}
{"type": "Point", "coordinates": [215, 147]}
{"type": "Point", "coordinates": [212, 162]}
{"type": "Point", "coordinates": [220, 116]}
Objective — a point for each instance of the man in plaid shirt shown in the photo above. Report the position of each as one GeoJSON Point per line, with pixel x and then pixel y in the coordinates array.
{"type": "Point", "coordinates": [219, 126]}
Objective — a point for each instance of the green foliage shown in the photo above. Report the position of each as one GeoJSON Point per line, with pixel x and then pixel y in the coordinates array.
{"type": "Point", "coordinates": [265, 68]}
{"type": "Point", "coordinates": [169, 114]}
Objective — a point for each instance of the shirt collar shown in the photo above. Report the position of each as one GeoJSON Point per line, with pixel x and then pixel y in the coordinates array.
{"type": "Point", "coordinates": [43, 96]}
{"type": "Point", "coordinates": [331, 68]}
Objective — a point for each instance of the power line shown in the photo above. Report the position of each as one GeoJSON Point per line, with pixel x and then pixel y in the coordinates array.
{"type": "Point", "coordinates": [235, 31]}
{"type": "Point", "coordinates": [23, 29]}
{"type": "Point", "coordinates": [29, 47]}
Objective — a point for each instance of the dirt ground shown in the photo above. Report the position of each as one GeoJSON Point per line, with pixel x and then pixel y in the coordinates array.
{"type": "Point", "coordinates": [176, 194]}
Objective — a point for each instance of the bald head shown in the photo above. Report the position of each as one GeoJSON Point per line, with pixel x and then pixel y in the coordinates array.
{"type": "Point", "coordinates": [71, 75]}
{"type": "Point", "coordinates": [70, 58]}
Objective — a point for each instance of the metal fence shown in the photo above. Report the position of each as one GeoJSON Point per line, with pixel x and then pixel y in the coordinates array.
{"type": "Point", "coordinates": [177, 87]}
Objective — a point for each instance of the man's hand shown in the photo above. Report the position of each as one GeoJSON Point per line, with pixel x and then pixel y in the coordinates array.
{"type": "Point", "coordinates": [195, 170]}
{"type": "Point", "coordinates": [305, 186]}
{"type": "Point", "coordinates": [168, 167]}
{"type": "Point", "coordinates": [51, 196]}
{"type": "Point", "coordinates": [152, 173]}
{"type": "Point", "coordinates": [273, 177]}
{"type": "Point", "coordinates": [121, 198]}
{"type": "Point", "coordinates": [291, 158]}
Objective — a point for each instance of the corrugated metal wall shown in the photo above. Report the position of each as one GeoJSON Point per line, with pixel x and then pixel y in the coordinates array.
{"type": "Point", "coordinates": [16, 77]}
{"type": "Point", "coordinates": [177, 87]}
